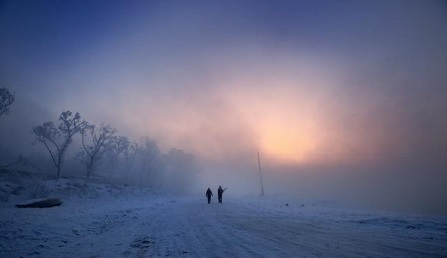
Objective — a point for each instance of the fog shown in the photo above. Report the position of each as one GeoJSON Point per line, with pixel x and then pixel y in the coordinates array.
{"type": "Point", "coordinates": [344, 101]}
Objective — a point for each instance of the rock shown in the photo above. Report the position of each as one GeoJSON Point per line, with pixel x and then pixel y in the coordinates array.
{"type": "Point", "coordinates": [40, 203]}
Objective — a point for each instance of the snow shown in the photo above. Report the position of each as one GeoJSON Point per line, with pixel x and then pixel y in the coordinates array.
{"type": "Point", "coordinates": [133, 223]}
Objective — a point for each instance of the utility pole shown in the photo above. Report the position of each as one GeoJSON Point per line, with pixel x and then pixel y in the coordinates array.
{"type": "Point", "coordinates": [260, 175]}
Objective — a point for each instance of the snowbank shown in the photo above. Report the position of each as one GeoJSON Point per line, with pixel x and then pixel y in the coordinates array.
{"type": "Point", "coordinates": [100, 220]}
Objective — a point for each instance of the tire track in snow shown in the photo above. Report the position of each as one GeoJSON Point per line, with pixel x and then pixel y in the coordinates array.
{"type": "Point", "coordinates": [107, 232]}
{"type": "Point", "coordinates": [188, 227]}
{"type": "Point", "coordinates": [191, 228]}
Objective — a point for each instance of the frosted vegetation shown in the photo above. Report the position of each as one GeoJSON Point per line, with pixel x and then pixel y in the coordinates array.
{"type": "Point", "coordinates": [76, 148]}
{"type": "Point", "coordinates": [83, 151]}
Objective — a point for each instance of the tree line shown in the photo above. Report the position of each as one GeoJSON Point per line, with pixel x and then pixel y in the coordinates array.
{"type": "Point", "coordinates": [102, 151]}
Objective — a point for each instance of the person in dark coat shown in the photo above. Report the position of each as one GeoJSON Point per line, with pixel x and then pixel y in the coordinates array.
{"type": "Point", "coordinates": [219, 193]}
{"type": "Point", "coordinates": [209, 194]}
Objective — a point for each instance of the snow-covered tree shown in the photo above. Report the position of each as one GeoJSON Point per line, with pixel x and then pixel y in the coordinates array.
{"type": "Point", "coordinates": [6, 99]}
{"type": "Point", "coordinates": [149, 162]}
{"type": "Point", "coordinates": [179, 169]}
{"type": "Point", "coordinates": [124, 151]}
{"type": "Point", "coordinates": [57, 139]}
{"type": "Point", "coordinates": [95, 142]}
{"type": "Point", "coordinates": [130, 153]}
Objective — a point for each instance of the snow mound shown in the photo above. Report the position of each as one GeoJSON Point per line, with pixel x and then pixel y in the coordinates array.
{"type": "Point", "coordinates": [33, 186]}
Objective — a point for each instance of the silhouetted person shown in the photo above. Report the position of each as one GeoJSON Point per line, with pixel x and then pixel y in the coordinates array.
{"type": "Point", "coordinates": [209, 194]}
{"type": "Point", "coordinates": [219, 193]}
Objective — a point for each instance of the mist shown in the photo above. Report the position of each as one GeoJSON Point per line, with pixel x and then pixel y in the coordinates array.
{"type": "Point", "coordinates": [344, 101]}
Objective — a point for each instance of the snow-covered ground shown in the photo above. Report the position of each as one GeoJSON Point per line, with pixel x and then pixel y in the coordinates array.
{"type": "Point", "coordinates": [99, 220]}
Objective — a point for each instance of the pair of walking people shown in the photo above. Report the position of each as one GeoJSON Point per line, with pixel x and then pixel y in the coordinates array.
{"type": "Point", "coordinates": [219, 194]}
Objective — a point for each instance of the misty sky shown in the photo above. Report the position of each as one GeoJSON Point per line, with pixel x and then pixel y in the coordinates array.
{"type": "Point", "coordinates": [315, 86]}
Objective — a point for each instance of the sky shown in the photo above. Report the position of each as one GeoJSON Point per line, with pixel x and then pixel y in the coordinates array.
{"type": "Point", "coordinates": [345, 98]}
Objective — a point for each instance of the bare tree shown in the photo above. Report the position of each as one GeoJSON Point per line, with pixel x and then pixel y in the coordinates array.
{"type": "Point", "coordinates": [119, 146]}
{"type": "Point", "coordinates": [114, 155]}
{"type": "Point", "coordinates": [95, 142]}
{"type": "Point", "coordinates": [180, 168]}
{"type": "Point", "coordinates": [57, 140]}
{"type": "Point", "coordinates": [6, 99]}
{"type": "Point", "coordinates": [149, 159]}
{"type": "Point", "coordinates": [120, 157]}
{"type": "Point", "coordinates": [129, 151]}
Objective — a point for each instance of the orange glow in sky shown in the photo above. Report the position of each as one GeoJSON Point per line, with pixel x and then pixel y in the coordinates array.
{"type": "Point", "coordinates": [290, 117]}
{"type": "Point", "coordinates": [285, 143]}
{"type": "Point", "coordinates": [284, 116]}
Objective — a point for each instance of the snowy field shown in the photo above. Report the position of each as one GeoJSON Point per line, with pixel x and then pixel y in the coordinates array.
{"type": "Point", "coordinates": [110, 222]}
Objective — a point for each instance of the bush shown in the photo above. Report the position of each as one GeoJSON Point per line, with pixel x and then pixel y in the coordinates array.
{"type": "Point", "coordinates": [38, 189]}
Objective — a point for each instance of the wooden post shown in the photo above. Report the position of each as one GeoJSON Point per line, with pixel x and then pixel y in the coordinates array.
{"type": "Point", "coordinates": [260, 175]}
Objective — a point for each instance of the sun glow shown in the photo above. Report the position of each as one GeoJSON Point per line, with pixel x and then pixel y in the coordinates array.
{"type": "Point", "coordinates": [286, 122]}
{"type": "Point", "coordinates": [286, 143]}
{"type": "Point", "coordinates": [284, 101]}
